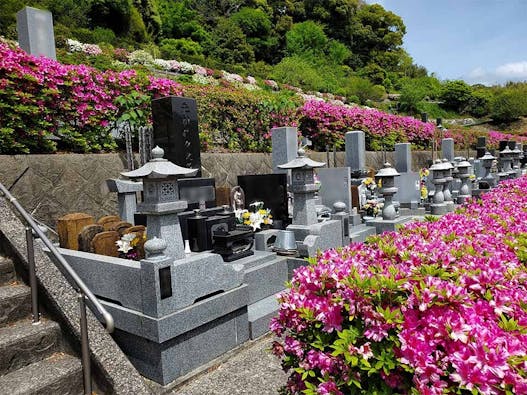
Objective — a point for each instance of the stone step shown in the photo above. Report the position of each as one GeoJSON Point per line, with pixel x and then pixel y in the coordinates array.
{"type": "Point", "coordinates": [23, 343]}
{"type": "Point", "coordinates": [7, 272]}
{"type": "Point", "coordinates": [260, 315]}
{"type": "Point", "coordinates": [15, 303]}
{"type": "Point", "coordinates": [58, 374]}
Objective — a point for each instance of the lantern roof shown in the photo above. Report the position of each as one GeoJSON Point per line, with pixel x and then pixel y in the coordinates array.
{"type": "Point", "coordinates": [159, 167]}
{"type": "Point", "coordinates": [302, 162]}
{"type": "Point", "coordinates": [387, 171]}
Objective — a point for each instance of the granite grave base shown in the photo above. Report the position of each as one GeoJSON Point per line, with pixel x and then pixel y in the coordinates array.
{"type": "Point", "coordinates": [318, 237]}
{"type": "Point", "coordinates": [382, 225]}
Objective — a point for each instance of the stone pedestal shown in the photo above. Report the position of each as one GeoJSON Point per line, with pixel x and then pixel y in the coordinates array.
{"type": "Point", "coordinates": [388, 225]}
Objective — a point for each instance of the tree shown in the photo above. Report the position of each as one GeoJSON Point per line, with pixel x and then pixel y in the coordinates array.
{"type": "Point", "coordinates": [229, 45]}
{"type": "Point", "coordinates": [509, 105]}
{"type": "Point", "coordinates": [456, 95]}
{"type": "Point", "coordinates": [306, 39]}
{"type": "Point", "coordinates": [376, 37]}
{"type": "Point", "coordinates": [256, 25]}
{"type": "Point", "coordinates": [150, 15]}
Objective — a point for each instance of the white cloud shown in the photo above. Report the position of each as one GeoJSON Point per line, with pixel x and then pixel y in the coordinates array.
{"type": "Point", "coordinates": [514, 71]}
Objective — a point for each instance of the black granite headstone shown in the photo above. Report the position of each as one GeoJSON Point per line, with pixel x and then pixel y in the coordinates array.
{"type": "Point", "coordinates": [271, 189]}
{"type": "Point", "coordinates": [481, 146]}
{"type": "Point", "coordinates": [195, 190]}
{"type": "Point", "coordinates": [175, 123]}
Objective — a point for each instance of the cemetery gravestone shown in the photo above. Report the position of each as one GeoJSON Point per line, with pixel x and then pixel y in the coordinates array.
{"type": "Point", "coordinates": [271, 189]}
{"type": "Point", "coordinates": [285, 145]}
{"type": "Point", "coordinates": [356, 153]}
{"type": "Point", "coordinates": [69, 226]}
{"type": "Point", "coordinates": [35, 32]}
{"type": "Point", "coordinates": [175, 122]}
{"type": "Point", "coordinates": [335, 186]}
{"type": "Point", "coordinates": [447, 148]}
{"type": "Point", "coordinates": [408, 183]}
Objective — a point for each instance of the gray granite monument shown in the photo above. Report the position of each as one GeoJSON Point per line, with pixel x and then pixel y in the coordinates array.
{"type": "Point", "coordinates": [126, 196]}
{"type": "Point", "coordinates": [35, 32]}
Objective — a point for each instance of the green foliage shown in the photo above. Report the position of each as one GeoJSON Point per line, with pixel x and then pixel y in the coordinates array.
{"type": "Point", "coordinates": [229, 44]}
{"type": "Point", "coordinates": [306, 39]}
{"type": "Point", "coordinates": [456, 95]}
{"type": "Point", "coordinates": [181, 48]}
{"type": "Point", "coordinates": [363, 89]}
{"type": "Point", "coordinates": [509, 105]}
{"type": "Point", "coordinates": [113, 14]}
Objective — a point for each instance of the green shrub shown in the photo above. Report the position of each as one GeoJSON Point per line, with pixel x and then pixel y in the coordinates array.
{"type": "Point", "coordinates": [180, 48]}
{"type": "Point", "coordinates": [457, 96]}
{"type": "Point", "coordinates": [509, 105]}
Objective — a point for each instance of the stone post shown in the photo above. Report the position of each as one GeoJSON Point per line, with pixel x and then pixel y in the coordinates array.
{"type": "Point", "coordinates": [447, 148]}
{"type": "Point", "coordinates": [356, 153]}
{"type": "Point", "coordinates": [464, 175]}
{"type": "Point", "coordinates": [285, 147]}
{"type": "Point", "coordinates": [403, 157]}
{"type": "Point", "coordinates": [126, 196]}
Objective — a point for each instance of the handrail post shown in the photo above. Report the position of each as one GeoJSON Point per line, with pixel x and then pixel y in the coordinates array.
{"type": "Point", "coordinates": [85, 348]}
{"type": "Point", "coordinates": [32, 276]}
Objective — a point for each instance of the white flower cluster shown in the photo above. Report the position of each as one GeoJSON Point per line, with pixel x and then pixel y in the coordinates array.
{"type": "Point", "coordinates": [203, 80]}
{"type": "Point", "coordinates": [140, 57]}
{"type": "Point", "coordinates": [77, 46]}
{"type": "Point", "coordinates": [231, 77]}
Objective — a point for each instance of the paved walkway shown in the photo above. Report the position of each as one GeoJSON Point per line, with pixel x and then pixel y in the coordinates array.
{"type": "Point", "coordinates": [254, 370]}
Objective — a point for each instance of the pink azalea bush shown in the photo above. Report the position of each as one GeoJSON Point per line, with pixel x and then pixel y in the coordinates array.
{"type": "Point", "coordinates": [437, 308]}
{"type": "Point", "coordinates": [40, 97]}
{"type": "Point", "coordinates": [326, 123]}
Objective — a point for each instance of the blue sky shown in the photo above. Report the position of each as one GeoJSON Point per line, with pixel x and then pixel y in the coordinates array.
{"type": "Point", "coordinates": [480, 41]}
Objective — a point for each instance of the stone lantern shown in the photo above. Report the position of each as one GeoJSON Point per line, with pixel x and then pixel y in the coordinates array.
{"type": "Point", "coordinates": [505, 160]}
{"type": "Point", "coordinates": [463, 174]}
{"type": "Point", "coordinates": [448, 184]}
{"type": "Point", "coordinates": [310, 235]}
{"type": "Point", "coordinates": [439, 171]}
{"type": "Point", "coordinates": [387, 178]}
{"type": "Point", "coordinates": [516, 158]}
{"type": "Point", "coordinates": [161, 203]}
{"type": "Point", "coordinates": [488, 178]}
{"type": "Point", "coordinates": [304, 188]}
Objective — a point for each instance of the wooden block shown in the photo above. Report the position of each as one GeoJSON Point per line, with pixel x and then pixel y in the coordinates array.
{"type": "Point", "coordinates": [86, 236]}
{"type": "Point", "coordinates": [135, 229]}
{"type": "Point", "coordinates": [108, 218]}
{"type": "Point", "coordinates": [355, 198]}
{"type": "Point", "coordinates": [104, 243]}
{"type": "Point", "coordinates": [120, 226]}
{"type": "Point", "coordinates": [69, 227]}
{"type": "Point", "coordinates": [223, 196]}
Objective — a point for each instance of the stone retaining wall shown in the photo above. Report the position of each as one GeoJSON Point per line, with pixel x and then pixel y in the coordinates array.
{"type": "Point", "coordinates": [50, 186]}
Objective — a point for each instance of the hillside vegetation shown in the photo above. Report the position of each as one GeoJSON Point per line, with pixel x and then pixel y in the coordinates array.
{"type": "Point", "coordinates": [344, 47]}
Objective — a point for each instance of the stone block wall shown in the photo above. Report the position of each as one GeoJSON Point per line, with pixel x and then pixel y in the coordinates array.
{"type": "Point", "coordinates": [49, 186]}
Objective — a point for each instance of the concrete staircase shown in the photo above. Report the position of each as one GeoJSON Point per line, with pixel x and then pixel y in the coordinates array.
{"type": "Point", "coordinates": [32, 357]}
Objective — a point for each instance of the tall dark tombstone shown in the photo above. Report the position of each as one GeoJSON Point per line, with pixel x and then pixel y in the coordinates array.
{"type": "Point", "coordinates": [481, 146]}
{"type": "Point", "coordinates": [175, 123]}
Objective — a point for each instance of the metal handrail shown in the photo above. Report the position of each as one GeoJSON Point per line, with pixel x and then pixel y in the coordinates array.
{"type": "Point", "coordinates": [73, 279]}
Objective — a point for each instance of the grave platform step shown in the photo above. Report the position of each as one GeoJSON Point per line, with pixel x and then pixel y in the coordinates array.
{"type": "Point", "coordinates": [58, 374]}
{"type": "Point", "coordinates": [15, 303]}
{"type": "Point", "coordinates": [266, 279]}
{"type": "Point", "coordinates": [23, 343]}
{"type": "Point", "coordinates": [260, 315]}
{"type": "Point", "coordinates": [359, 233]}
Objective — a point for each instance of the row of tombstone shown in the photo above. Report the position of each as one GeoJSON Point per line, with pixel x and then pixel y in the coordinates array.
{"type": "Point", "coordinates": [80, 231]}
